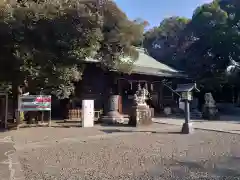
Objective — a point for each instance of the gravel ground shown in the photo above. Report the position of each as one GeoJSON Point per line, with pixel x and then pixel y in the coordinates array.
{"type": "Point", "coordinates": [120, 154]}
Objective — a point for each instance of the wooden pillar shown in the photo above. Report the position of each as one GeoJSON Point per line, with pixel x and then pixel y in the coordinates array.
{"type": "Point", "coordinates": [6, 112]}
{"type": "Point", "coordinates": [160, 95]}
{"type": "Point", "coordinates": [119, 87]}
{"type": "Point", "coordinates": [119, 92]}
{"type": "Point", "coordinates": [130, 84]}
{"type": "Point", "coordinates": [120, 104]}
{"type": "Point", "coordinates": [2, 122]}
{"type": "Point", "coordinates": [151, 87]}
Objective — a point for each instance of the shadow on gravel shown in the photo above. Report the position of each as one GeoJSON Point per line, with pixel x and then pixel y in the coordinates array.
{"type": "Point", "coordinates": [223, 169]}
{"type": "Point", "coordinates": [66, 126]}
{"type": "Point", "coordinates": [166, 123]}
{"type": "Point", "coordinates": [3, 130]}
{"type": "Point", "coordinates": [115, 125]}
{"type": "Point", "coordinates": [110, 131]}
{"type": "Point", "coordinates": [227, 168]}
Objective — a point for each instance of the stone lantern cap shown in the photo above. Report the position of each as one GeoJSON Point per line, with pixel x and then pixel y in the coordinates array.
{"type": "Point", "coordinates": [187, 87]}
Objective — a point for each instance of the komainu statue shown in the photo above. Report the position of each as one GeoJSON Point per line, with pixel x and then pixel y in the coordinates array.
{"type": "Point", "coordinates": [210, 111]}
{"type": "Point", "coordinates": [141, 96]}
{"type": "Point", "coordinates": [141, 113]}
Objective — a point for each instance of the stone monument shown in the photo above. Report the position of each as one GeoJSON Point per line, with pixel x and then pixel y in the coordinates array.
{"type": "Point", "coordinates": [141, 113]}
{"type": "Point", "coordinates": [210, 111]}
{"type": "Point", "coordinates": [113, 116]}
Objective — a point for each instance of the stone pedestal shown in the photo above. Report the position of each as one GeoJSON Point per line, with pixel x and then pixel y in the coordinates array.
{"type": "Point", "coordinates": [141, 115]}
{"type": "Point", "coordinates": [187, 128]}
{"type": "Point", "coordinates": [210, 113]}
{"type": "Point", "coordinates": [113, 116]}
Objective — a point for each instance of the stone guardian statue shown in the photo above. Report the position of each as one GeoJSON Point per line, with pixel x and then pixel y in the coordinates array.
{"type": "Point", "coordinates": [210, 111]}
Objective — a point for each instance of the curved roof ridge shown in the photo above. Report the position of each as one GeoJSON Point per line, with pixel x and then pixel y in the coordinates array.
{"type": "Point", "coordinates": [145, 60]}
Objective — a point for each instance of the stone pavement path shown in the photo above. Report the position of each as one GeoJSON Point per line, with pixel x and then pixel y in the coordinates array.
{"type": "Point", "coordinates": [9, 165]}
{"type": "Point", "coordinates": [155, 152]}
{"type": "Point", "coordinates": [5, 147]}
{"type": "Point", "coordinates": [221, 126]}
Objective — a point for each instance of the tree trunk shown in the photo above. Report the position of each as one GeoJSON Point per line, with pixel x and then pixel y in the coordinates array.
{"type": "Point", "coordinates": [238, 99]}
{"type": "Point", "coordinates": [17, 90]}
{"type": "Point", "coordinates": [16, 93]}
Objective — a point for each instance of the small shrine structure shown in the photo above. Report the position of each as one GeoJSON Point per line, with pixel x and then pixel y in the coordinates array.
{"type": "Point", "coordinates": [113, 92]}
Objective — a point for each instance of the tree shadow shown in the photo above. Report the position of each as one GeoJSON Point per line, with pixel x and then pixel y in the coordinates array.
{"type": "Point", "coordinates": [222, 169]}
{"type": "Point", "coordinates": [66, 126]}
{"type": "Point", "coordinates": [110, 131]}
{"type": "Point", "coordinates": [2, 130]}
{"type": "Point", "coordinates": [54, 124]}
{"type": "Point", "coordinates": [115, 125]}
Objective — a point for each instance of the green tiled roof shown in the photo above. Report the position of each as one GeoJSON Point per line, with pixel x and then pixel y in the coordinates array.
{"type": "Point", "coordinates": [145, 64]}
{"type": "Point", "coordinates": [144, 60]}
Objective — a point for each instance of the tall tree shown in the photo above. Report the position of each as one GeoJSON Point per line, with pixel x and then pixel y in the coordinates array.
{"type": "Point", "coordinates": [45, 42]}
{"type": "Point", "coordinates": [204, 56]}
{"type": "Point", "coordinates": [162, 41]}
{"type": "Point", "coordinates": [119, 36]}
{"type": "Point", "coordinates": [214, 30]}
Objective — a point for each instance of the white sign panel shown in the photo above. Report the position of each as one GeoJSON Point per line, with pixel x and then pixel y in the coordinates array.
{"type": "Point", "coordinates": [181, 104]}
{"type": "Point", "coordinates": [87, 113]}
{"type": "Point", "coordinates": [34, 103]}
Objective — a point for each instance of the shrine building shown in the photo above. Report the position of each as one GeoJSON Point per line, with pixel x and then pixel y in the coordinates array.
{"type": "Point", "coordinates": [159, 79]}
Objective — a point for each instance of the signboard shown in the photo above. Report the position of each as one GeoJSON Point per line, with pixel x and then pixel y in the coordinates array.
{"type": "Point", "coordinates": [87, 113]}
{"type": "Point", "coordinates": [187, 87]}
{"type": "Point", "coordinates": [181, 104]}
{"type": "Point", "coordinates": [34, 103]}
{"type": "Point", "coordinates": [186, 96]}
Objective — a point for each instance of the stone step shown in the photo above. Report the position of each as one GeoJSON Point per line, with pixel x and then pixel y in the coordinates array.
{"type": "Point", "coordinates": [193, 115]}
{"type": "Point", "coordinates": [196, 115]}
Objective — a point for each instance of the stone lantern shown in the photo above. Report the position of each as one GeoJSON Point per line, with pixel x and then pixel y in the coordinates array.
{"type": "Point", "coordinates": [185, 91]}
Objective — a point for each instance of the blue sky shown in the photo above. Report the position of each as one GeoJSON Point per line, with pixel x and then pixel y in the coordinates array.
{"type": "Point", "coordinates": [155, 10]}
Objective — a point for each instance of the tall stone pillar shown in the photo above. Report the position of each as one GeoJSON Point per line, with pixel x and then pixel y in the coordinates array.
{"type": "Point", "coordinates": [112, 115]}
{"type": "Point", "coordinates": [113, 103]}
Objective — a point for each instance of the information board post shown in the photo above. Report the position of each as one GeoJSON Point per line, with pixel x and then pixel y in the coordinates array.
{"type": "Point", "coordinates": [50, 118]}
{"type": "Point", "coordinates": [35, 103]}
{"type": "Point", "coordinates": [42, 116]}
{"type": "Point", "coordinates": [17, 113]}
{"type": "Point", "coordinates": [4, 95]}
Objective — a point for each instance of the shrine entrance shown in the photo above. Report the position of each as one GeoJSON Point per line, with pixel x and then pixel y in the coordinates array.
{"type": "Point", "coordinates": [161, 92]}
{"type": "Point", "coordinates": [126, 89]}
{"type": "Point", "coordinates": [3, 110]}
